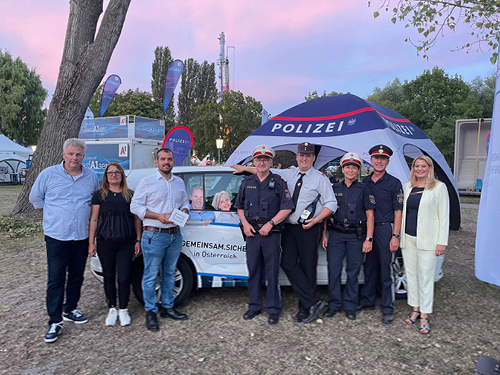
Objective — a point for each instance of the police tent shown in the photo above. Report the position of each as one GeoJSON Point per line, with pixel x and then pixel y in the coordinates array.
{"type": "Point", "coordinates": [347, 123]}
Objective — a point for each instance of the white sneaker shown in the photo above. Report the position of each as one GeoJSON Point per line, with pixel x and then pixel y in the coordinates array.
{"type": "Point", "coordinates": [111, 318]}
{"type": "Point", "coordinates": [124, 317]}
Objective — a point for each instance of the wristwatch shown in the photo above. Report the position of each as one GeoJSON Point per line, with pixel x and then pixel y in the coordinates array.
{"type": "Point", "coordinates": [271, 222]}
{"type": "Point", "coordinates": [396, 235]}
{"type": "Point", "coordinates": [369, 239]}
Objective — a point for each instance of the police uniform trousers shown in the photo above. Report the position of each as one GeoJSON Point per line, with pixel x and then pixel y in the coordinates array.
{"type": "Point", "coordinates": [264, 251]}
{"type": "Point", "coordinates": [299, 261]}
{"type": "Point", "coordinates": [379, 263]}
{"type": "Point", "coordinates": [340, 246]}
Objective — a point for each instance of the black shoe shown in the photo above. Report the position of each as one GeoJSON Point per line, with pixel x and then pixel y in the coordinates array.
{"type": "Point", "coordinates": [273, 319]}
{"type": "Point", "coordinates": [300, 316]}
{"type": "Point", "coordinates": [329, 313]}
{"type": "Point", "coordinates": [361, 308]}
{"type": "Point", "coordinates": [170, 312]}
{"type": "Point", "coordinates": [387, 318]}
{"type": "Point", "coordinates": [152, 321]}
{"type": "Point", "coordinates": [350, 314]}
{"type": "Point", "coordinates": [250, 314]}
{"type": "Point", "coordinates": [313, 311]}
{"type": "Point", "coordinates": [53, 332]}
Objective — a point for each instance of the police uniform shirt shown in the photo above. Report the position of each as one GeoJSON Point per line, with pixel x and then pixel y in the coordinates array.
{"type": "Point", "coordinates": [347, 197]}
{"type": "Point", "coordinates": [313, 183]}
{"type": "Point", "coordinates": [388, 195]}
{"type": "Point", "coordinates": [265, 194]}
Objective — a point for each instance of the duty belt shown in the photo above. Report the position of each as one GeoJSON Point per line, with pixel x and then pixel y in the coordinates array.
{"type": "Point", "coordinates": [344, 228]}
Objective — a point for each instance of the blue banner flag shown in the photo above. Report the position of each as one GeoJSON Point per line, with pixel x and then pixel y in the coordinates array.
{"type": "Point", "coordinates": [173, 74]}
{"type": "Point", "coordinates": [108, 91]}
{"type": "Point", "coordinates": [488, 220]}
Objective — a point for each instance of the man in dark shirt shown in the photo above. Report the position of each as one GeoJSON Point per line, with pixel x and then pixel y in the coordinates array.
{"type": "Point", "coordinates": [388, 193]}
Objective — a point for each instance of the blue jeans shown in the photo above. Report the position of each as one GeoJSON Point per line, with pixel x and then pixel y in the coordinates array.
{"type": "Point", "coordinates": [64, 258]}
{"type": "Point", "coordinates": [160, 251]}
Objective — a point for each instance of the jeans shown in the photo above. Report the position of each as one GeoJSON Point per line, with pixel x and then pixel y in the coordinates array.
{"type": "Point", "coordinates": [62, 256]}
{"type": "Point", "coordinates": [161, 252]}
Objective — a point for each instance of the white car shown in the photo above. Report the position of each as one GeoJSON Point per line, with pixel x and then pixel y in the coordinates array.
{"type": "Point", "coordinates": [214, 255]}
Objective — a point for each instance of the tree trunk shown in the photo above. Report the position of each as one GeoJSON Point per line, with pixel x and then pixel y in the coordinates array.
{"type": "Point", "coordinates": [85, 60]}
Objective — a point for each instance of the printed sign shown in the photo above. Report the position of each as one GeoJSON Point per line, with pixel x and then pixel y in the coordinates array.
{"type": "Point", "coordinates": [180, 141]}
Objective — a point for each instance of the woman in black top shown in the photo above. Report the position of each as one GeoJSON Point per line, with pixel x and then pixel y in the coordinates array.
{"type": "Point", "coordinates": [118, 234]}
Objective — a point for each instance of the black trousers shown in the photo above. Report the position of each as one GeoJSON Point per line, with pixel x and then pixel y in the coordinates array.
{"type": "Point", "coordinates": [299, 261]}
{"type": "Point", "coordinates": [340, 246]}
{"type": "Point", "coordinates": [116, 257]}
{"type": "Point", "coordinates": [64, 257]}
{"type": "Point", "coordinates": [378, 263]}
{"type": "Point", "coordinates": [264, 251]}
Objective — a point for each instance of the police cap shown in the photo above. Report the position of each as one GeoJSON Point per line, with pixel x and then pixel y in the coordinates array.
{"type": "Point", "coordinates": [351, 158]}
{"type": "Point", "coordinates": [263, 151]}
{"type": "Point", "coordinates": [306, 148]}
{"type": "Point", "coordinates": [380, 150]}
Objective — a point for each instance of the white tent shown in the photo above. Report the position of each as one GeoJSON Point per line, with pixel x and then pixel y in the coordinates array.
{"type": "Point", "coordinates": [12, 158]}
{"type": "Point", "coordinates": [345, 123]}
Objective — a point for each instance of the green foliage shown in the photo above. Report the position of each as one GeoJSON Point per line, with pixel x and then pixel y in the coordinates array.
{"type": "Point", "coordinates": [17, 228]}
{"type": "Point", "coordinates": [233, 119]}
{"type": "Point", "coordinates": [198, 87]}
{"type": "Point", "coordinates": [315, 95]}
{"type": "Point", "coordinates": [21, 100]}
{"type": "Point", "coordinates": [432, 17]}
{"type": "Point", "coordinates": [484, 92]}
{"type": "Point", "coordinates": [390, 96]}
{"type": "Point", "coordinates": [133, 102]}
{"type": "Point", "coordinates": [434, 101]}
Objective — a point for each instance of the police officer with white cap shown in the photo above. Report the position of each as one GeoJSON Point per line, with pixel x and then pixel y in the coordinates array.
{"type": "Point", "coordinates": [300, 241]}
{"type": "Point", "coordinates": [351, 236]}
{"type": "Point", "coordinates": [263, 202]}
{"type": "Point", "coordinates": [388, 193]}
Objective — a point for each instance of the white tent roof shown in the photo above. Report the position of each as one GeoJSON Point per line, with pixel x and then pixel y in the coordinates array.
{"type": "Point", "coordinates": [9, 147]}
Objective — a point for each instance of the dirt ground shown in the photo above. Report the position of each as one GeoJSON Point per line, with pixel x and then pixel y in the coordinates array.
{"type": "Point", "coordinates": [216, 339]}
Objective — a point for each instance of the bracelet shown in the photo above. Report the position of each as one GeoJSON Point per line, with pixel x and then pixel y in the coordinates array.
{"type": "Point", "coordinates": [137, 241]}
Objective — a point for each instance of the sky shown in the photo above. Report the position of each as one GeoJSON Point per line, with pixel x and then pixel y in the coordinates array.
{"type": "Point", "coordinates": [283, 49]}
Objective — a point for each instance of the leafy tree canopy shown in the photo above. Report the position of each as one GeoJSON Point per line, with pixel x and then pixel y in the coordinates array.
{"type": "Point", "coordinates": [315, 95]}
{"type": "Point", "coordinates": [484, 92]}
{"type": "Point", "coordinates": [21, 100]}
{"type": "Point", "coordinates": [163, 59]}
{"type": "Point", "coordinates": [134, 102]}
{"type": "Point", "coordinates": [233, 119]}
{"type": "Point", "coordinates": [432, 17]}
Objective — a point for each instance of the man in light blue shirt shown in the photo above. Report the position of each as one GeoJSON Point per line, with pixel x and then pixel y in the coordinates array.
{"type": "Point", "coordinates": [64, 192]}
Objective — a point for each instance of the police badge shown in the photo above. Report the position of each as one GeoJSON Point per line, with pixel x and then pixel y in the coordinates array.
{"type": "Point", "coordinates": [400, 198]}
{"type": "Point", "coordinates": [372, 199]}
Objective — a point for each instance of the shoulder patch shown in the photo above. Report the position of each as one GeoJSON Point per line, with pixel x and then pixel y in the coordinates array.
{"type": "Point", "coordinates": [287, 194]}
{"type": "Point", "coordinates": [372, 199]}
{"type": "Point", "coordinates": [400, 198]}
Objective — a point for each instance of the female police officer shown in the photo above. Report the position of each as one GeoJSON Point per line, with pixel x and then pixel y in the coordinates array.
{"type": "Point", "coordinates": [350, 237]}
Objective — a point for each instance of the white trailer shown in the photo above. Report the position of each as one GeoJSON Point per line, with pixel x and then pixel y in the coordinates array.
{"type": "Point", "coordinates": [471, 137]}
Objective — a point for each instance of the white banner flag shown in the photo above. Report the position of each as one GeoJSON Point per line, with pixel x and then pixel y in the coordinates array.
{"type": "Point", "coordinates": [488, 221]}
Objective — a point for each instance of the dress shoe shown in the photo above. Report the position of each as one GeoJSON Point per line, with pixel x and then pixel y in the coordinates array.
{"type": "Point", "coordinates": [351, 315]}
{"type": "Point", "coordinates": [313, 311]}
{"type": "Point", "coordinates": [151, 321]}
{"type": "Point", "coordinates": [250, 314]}
{"type": "Point", "coordinates": [387, 318]}
{"type": "Point", "coordinates": [361, 308]}
{"type": "Point", "coordinates": [329, 313]}
{"type": "Point", "coordinates": [170, 312]}
{"type": "Point", "coordinates": [273, 319]}
{"type": "Point", "coordinates": [300, 316]}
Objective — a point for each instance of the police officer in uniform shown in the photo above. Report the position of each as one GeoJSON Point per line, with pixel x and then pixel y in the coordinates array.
{"type": "Point", "coordinates": [300, 241]}
{"type": "Point", "coordinates": [388, 193]}
{"type": "Point", "coordinates": [351, 236]}
{"type": "Point", "coordinates": [263, 202]}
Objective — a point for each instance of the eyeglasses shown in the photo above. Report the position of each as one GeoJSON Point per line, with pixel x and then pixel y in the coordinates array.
{"type": "Point", "coordinates": [113, 172]}
{"type": "Point", "coordinates": [261, 160]}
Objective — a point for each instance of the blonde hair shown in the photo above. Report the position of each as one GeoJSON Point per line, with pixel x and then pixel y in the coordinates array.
{"type": "Point", "coordinates": [217, 198]}
{"type": "Point", "coordinates": [431, 181]}
{"type": "Point", "coordinates": [126, 192]}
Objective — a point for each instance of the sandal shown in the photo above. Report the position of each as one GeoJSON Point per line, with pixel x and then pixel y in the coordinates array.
{"type": "Point", "coordinates": [424, 328]}
{"type": "Point", "coordinates": [411, 320]}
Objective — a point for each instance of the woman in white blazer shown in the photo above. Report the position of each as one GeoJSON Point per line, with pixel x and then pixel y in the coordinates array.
{"type": "Point", "coordinates": [425, 229]}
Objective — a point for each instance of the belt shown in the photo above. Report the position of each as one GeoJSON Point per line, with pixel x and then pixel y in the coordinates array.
{"type": "Point", "coordinates": [344, 230]}
{"type": "Point", "coordinates": [339, 224]}
{"type": "Point", "coordinates": [389, 222]}
{"type": "Point", "coordinates": [170, 230]}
